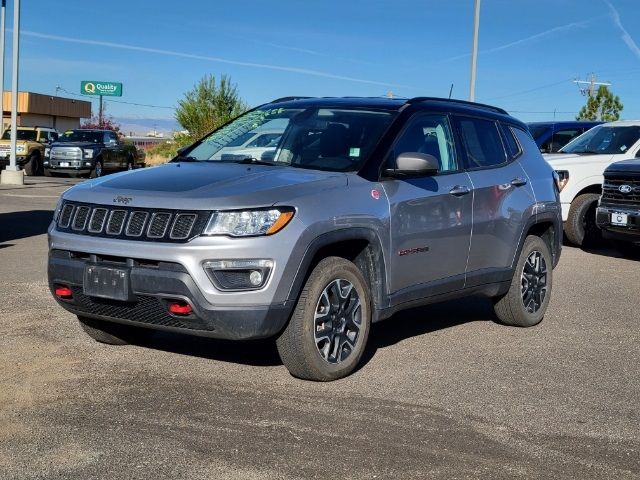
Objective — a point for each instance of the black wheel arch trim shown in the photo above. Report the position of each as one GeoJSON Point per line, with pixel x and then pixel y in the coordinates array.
{"type": "Point", "coordinates": [300, 269]}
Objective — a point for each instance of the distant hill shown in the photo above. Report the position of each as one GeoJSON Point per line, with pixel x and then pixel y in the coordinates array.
{"type": "Point", "coordinates": [141, 126]}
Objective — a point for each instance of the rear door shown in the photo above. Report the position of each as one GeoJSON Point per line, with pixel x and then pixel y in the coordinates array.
{"type": "Point", "coordinates": [502, 197]}
{"type": "Point", "coordinates": [430, 216]}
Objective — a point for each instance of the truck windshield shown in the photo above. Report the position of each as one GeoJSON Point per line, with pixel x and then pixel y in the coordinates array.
{"type": "Point", "coordinates": [334, 139]}
{"type": "Point", "coordinates": [28, 135]}
{"type": "Point", "coordinates": [85, 136]}
{"type": "Point", "coordinates": [608, 140]}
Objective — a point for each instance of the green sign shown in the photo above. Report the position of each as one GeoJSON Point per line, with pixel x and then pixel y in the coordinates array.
{"type": "Point", "coordinates": [108, 89]}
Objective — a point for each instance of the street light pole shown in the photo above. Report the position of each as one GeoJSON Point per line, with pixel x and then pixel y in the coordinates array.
{"type": "Point", "coordinates": [14, 85]}
{"type": "Point", "coordinates": [474, 51]}
{"type": "Point", "coordinates": [3, 9]}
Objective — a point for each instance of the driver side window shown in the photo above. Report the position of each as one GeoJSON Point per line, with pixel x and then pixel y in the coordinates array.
{"type": "Point", "coordinates": [428, 134]}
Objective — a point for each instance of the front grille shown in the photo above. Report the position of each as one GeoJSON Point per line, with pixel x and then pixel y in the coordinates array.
{"type": "Point", "coordinates": [613, 196]}
{"type": "Point", "coordinates": [138, 223]}
{"type": "Point", "coordinates": [147, 309]}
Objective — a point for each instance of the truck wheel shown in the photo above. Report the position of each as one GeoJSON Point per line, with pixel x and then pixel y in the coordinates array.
{"type": "Point", "coordinates": [97, 170]}
{"type": "Point", "coordinates": [112, 333]}
{"type": "Point", "coordinates": [525, 304]}
{"type": "Point", "coordinates": [32, 167]}
{"type": "Point", "coordinates": [580, 227]}
{"type": "Point", "coordinates": [329, 328]}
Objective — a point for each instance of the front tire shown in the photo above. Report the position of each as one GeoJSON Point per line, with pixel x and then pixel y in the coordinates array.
{"type": "Point", "coordinates": [526, 302]}
{"type": "Point", "coordinates": [97, 170]}
{"type": "Point", "coordinates": [112, 333]}
{"type": "Point", "coordinates": [329, 328]}
{"type": "Point", "coordinates": [32, 167]}
{"type": "Point", "coordinates": [581, 228]}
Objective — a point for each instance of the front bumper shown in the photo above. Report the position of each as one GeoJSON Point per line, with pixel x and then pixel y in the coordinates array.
{"type": "Point", "coordinates": [20, 160]}
{"type": "Point", "coordinates": [630, 232]}
{"type": "Point", "coordinates": [153, 286]}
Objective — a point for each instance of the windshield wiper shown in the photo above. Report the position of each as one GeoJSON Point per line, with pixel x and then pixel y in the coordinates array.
{"type": "Point", "coordinates": [184, 159]}
{"type": "Point", "coordinates": [255, 161]}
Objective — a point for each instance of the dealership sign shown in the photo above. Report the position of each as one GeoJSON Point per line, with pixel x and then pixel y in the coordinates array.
{"type": "Point", "coordinates": [111, 89]}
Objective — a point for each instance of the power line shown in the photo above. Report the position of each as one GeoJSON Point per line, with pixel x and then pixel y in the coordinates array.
{"type": "Point", "coordinates": [535, 89]}
{"type": "Point", "coordinates": [58, 87]}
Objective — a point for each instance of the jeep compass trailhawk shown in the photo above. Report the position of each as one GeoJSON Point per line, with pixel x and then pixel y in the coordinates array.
{"type": "Point", "coordinates": [362, 207]}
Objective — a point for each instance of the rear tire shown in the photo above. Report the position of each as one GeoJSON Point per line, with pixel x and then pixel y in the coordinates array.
{"type": "Point", "coordinates": [526, 302]}
{"type": "Point", "coordinates": [580, 227]}
{"type": "Point", "coordinates": [329, 328]}
{"type": "Point", "coordinates": [32, 167]}
{"type": "Point", "coordinates": [112, 333]}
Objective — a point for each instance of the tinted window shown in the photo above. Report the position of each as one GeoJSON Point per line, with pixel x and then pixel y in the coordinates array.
{"type": "Point", "coordinates": [429, 134]}
{"type": "Point", "coordinates": [44, 136]}
{"type": "Point", "coordinates": [482, 142]}
{"type": "Point", "coordinates": [538, 131]}
{"type": "Point", "coordinates": [559, 139]}
{"type": "Point", "coordinates": [29, 135]}
{"type": "Point", "coordinates": [513, 147]}
{"type": "Point", "coordinates": [605, 140]}
{"type": "Point", "coordinates": [81, 136]}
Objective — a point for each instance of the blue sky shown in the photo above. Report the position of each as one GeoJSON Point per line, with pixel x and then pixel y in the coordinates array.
{"type": "Point", "coordinates": [530, 51]}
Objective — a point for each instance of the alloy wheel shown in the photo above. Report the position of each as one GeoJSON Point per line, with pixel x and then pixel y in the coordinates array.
{"type": "Point", "coordinates": [534, 282]}
{"type": "Point", "coordinates": [338, 318]}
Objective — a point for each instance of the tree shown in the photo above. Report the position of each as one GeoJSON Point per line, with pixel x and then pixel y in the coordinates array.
{"type": "Point", "coordinates": [603, 106]}
{"type": "Point", "coordinates": [208, 106]}
{"type": "Point", "coordinates": [108, 123]}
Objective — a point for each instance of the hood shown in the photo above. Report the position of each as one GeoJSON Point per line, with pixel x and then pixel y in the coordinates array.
{"type": "Point", "coordinates": [205, 186]}
{"type": "Point", "coordinates": [559, 160]}
{"type": "Point", "coordinates": [625, 166]}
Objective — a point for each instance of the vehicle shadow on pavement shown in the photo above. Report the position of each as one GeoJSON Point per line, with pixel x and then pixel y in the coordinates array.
{"type": "Point", "coordinates": [16, 225]}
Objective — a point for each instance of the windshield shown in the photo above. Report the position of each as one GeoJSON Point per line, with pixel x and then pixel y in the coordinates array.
{"type": "Point", "coordinates": [604, 140]}
{"type": "Point", "coordinates": [29, 135]}
{"type": "Point", "coordinates": [85, 136]}
{"type": "Point", "coordinates": [335, 139]}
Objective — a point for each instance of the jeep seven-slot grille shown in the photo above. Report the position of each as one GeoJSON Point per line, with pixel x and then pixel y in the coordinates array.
{"type": "Point", "coordinates": [612, 195]}
{"type": "Point", "coordinates": [131, 223]}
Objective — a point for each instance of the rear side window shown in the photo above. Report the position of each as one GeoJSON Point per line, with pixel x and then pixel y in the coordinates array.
{"type": "Point", "coordinates": [482, 143]}
{"type": "Point", "coordinates": [513, 147]}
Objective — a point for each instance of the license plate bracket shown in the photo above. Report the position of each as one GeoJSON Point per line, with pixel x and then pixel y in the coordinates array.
{"type": "Point", "coordinates": [64, 164]}
{"type": "Point", "coordinates": [618, 218]}
{"type": "Point", "coordinates": [107, 282]}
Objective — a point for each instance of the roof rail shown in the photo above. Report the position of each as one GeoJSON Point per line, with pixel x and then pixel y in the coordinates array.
{"type": "Point", "coordinates": [463, 102]}
{"type": "Point", "coordinates": [286, 99]}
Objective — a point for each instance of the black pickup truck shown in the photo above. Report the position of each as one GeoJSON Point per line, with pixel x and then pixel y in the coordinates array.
{"type": "Point", "coordinates": [90, 152]}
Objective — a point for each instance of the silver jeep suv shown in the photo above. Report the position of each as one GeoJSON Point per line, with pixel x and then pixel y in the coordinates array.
{"type": "Point", "coordinates": [363, 207]}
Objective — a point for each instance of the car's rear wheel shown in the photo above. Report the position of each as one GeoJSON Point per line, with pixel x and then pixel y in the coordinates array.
{"type": "Point", "coordinates": [97, 170]}
{"type": "Point", "coordinates": [526, 302]}
{"type": "Point", "coordinates": [329, 328]}
{"type": "Point", "coordinates": [580, 227]}
{"type": "Point", "coordinates": [112, 333]}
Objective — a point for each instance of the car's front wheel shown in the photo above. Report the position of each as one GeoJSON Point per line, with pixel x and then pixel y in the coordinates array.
{"type": "Point", "coordinates": [526, 302]}
{"type": "Point", "coordinates": [580, 227]}
{"type": "Point", "coordinates": [97, 170]}
{"type": "Point", "coordinates": [329, 328]}
{"type": "Point", "coordinates": [32, 167]}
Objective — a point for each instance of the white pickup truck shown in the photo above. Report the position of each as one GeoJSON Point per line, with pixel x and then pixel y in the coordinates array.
{"type": "Point", "coordinates": [581, 164]}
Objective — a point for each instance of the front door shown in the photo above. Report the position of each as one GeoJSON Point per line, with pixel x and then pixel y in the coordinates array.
{"type": "Point", "coordinates": [430, 224]}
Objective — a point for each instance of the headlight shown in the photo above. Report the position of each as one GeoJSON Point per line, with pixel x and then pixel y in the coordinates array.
{"type": "Point", "coordinates": [88, 153]}
{"type": "Point", "coordinates": [249, 223]}
{"type": "Point", "coordinates": [47, 152]}
{"type": "Point", "coordinates": [56, 212]}
{"type": "Point", "coordinates": [19, 148]}
{"type": "Point", "coordinates": [561, 178]}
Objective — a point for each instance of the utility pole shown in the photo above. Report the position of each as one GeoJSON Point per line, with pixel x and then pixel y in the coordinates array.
{"type": "Point", "coordinates": [474, 51]}
{"type": "Point", "coordinates": [3, 10]}
{"type": "Point", "coordinates": [590, 90]}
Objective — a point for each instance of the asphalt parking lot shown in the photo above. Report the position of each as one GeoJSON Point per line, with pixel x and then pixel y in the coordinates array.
{"type": "Point", "coordinates": [443, 392]}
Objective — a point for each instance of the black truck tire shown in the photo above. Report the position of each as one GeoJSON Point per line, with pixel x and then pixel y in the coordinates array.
{"type": "Point", "coordinates": [97, 170]}
{"type": "Point", "coordinates": [580, 228]}
{"type": "Point", "coordinates": [32, 167]}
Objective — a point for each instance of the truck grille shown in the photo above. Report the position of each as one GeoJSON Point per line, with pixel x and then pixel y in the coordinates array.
{"type": "Point", "coordinates": [131, 223]}
{"type": "Point", "coordinates": [613, 196]}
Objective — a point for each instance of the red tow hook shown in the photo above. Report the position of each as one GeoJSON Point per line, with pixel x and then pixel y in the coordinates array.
{"type": "Point", "coordinates": [180, 308]}
{"type": "Point", "coordinates": [63, 292]}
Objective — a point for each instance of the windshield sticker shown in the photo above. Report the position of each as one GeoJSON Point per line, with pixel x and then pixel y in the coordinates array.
{"type": "Point", "coordinates": [354, 152]}
{"type": "Point", "coordinates": [623, 148]}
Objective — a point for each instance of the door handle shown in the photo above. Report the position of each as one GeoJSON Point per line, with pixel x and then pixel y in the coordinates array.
{"type": "Point", "coordinates": [518, 182]}
{"type": "Point", "coordinates": [459, 190]}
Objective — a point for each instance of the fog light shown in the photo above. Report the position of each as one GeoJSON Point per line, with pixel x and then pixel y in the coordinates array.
{"type": "Point", "coordinates": [63, 292]}
{"type": "Point", "coordinates": [238, 275]}
{"type": "Point", "coordinates": [180, 308]}
{"type": "Point", "coordinates": [255, 277]}
{"type": "Point", "coordinates": [88, 164]}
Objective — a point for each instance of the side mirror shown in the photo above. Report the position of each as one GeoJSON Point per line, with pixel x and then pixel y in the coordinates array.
{"type": "Point", "coordinates": [413, 164]}
{"type": "Point", "coordinates": [268, 155]}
